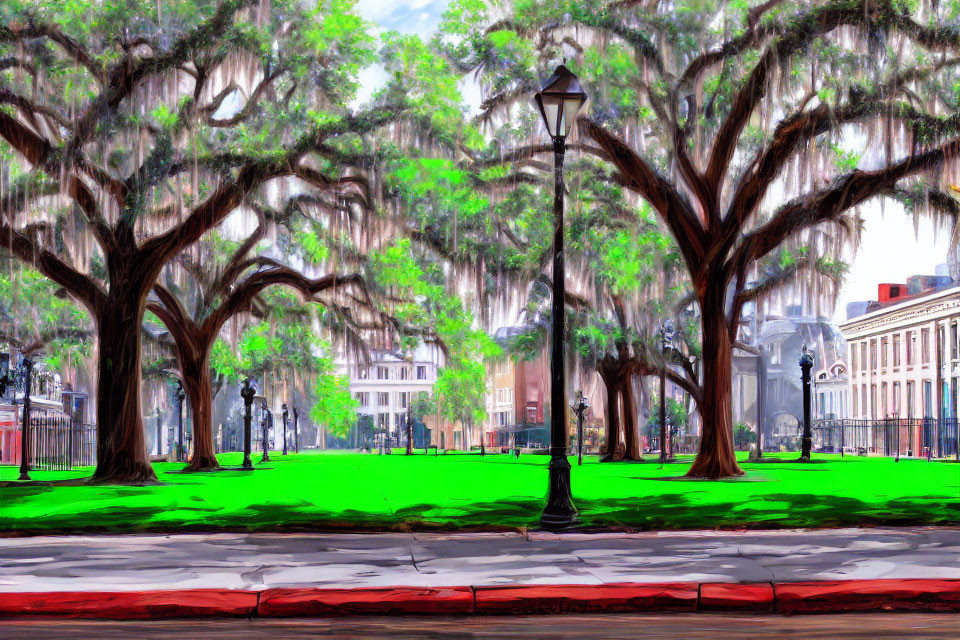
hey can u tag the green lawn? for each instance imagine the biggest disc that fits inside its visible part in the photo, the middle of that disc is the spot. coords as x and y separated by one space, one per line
348 490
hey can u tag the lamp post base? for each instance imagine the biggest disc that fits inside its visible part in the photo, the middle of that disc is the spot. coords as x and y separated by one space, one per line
24 475
247 464
559 512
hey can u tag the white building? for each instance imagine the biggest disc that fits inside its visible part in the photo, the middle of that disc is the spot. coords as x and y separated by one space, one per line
385 387
831 392
905 357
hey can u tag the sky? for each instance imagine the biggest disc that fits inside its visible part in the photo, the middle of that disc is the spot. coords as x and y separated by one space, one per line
890 249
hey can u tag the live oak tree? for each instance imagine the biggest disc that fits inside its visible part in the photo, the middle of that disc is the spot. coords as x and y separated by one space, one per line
139 127
745 128
220 292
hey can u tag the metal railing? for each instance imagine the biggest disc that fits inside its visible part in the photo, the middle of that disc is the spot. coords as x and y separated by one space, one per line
57 443
890 437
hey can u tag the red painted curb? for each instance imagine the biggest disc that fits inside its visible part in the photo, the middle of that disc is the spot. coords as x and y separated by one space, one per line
388 600
868 595
132 605
577 598
727 596
788 598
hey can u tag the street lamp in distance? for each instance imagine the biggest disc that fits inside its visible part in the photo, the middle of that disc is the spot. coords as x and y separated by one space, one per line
180 395
285 415
247 393
666 343
580 406
806 364
265 422
559 102
27 365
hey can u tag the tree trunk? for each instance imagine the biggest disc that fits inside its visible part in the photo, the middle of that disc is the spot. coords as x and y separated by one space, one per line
613 421
716 458
630 432
198 384
121 447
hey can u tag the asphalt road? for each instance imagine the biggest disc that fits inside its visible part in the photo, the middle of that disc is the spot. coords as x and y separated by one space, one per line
694 626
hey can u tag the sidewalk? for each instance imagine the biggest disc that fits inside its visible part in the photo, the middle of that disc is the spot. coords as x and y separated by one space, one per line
794 571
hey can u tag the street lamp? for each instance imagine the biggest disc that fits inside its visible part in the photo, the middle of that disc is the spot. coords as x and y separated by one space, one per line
159 435
666 343
247 393
27 365
296 430
558 101
580 406
264 422
285 414
179 394
806 363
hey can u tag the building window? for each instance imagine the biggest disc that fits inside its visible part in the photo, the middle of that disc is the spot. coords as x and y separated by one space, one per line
363 398
954 387
910 400
404 373
863 401
404 399
896 349
382 373
927 399
939 356
896 399
873 354
383 399
855 403
421 372
863 355
911 341
884 407
363 373
953 341
873 402
884 347
925 345
853 358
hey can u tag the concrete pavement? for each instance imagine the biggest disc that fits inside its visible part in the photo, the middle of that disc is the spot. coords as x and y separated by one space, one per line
241 574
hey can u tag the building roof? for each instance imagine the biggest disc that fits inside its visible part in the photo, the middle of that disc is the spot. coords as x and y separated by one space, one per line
900 304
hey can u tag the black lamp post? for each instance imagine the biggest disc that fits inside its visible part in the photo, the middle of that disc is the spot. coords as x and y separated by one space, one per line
806 363
159 435
27 365
666 340
247 393
296 430
179 394
558 101
580 407
285 414
264 422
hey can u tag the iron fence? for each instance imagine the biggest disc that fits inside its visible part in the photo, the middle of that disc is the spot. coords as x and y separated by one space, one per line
57 443
890 437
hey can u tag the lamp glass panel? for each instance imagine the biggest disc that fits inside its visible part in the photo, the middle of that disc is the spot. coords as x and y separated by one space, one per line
570 108
550 109
4 365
